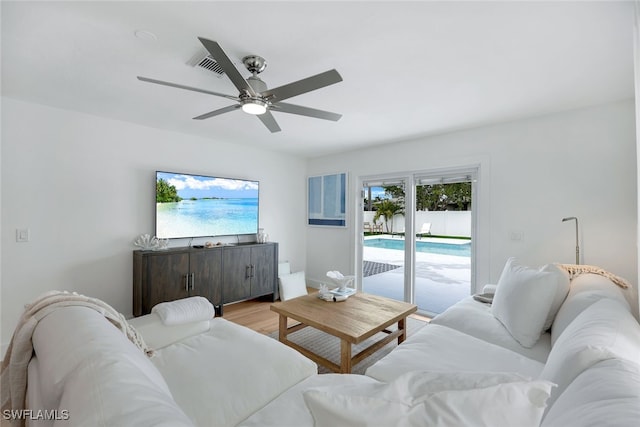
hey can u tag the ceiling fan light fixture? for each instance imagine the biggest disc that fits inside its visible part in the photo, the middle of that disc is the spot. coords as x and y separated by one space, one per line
254 106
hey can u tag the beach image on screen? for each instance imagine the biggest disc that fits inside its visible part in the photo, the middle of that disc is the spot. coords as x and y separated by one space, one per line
202 206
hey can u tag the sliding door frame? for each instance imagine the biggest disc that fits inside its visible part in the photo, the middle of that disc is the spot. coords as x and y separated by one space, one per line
411 179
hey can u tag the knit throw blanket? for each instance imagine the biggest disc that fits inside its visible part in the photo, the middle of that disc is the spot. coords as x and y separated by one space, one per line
14 366
575 270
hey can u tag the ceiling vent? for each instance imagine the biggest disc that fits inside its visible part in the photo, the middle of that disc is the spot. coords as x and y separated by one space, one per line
203 60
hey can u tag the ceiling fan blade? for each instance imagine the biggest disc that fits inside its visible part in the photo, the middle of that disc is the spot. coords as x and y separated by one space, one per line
302 86
225 63
217 112
160 82
305 111
269 121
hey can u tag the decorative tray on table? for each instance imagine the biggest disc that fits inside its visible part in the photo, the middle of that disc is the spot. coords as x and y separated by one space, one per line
343 293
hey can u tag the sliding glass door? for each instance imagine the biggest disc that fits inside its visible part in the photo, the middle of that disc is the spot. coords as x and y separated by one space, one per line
442 248
416 237
383 245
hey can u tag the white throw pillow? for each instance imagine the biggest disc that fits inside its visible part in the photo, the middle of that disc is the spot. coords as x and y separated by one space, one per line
604 330
284 268
433 399
523 299
185 310
292 285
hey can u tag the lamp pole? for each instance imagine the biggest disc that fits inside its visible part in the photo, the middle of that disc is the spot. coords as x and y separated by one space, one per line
577 246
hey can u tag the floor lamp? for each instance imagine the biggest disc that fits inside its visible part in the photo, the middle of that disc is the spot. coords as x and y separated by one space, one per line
577 246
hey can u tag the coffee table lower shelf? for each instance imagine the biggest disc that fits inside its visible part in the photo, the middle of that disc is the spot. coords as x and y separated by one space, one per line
346 360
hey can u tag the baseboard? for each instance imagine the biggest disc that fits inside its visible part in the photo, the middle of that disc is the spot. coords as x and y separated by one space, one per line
313 283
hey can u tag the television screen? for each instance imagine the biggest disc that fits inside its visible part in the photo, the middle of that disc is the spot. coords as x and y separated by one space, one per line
202 206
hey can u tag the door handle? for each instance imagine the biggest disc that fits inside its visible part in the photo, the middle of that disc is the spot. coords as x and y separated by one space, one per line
186 282
247 272
252 267
193 280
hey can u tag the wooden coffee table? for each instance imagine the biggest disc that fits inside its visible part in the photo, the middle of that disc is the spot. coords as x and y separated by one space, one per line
353 321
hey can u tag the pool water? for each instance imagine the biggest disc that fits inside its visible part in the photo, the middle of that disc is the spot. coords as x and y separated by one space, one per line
457 249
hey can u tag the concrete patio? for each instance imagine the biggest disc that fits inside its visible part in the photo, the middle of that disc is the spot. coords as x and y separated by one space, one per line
441 280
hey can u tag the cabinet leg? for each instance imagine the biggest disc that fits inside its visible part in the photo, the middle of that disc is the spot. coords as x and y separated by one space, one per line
218 310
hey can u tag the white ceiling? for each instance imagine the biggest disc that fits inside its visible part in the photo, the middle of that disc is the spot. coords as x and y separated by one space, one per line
410 69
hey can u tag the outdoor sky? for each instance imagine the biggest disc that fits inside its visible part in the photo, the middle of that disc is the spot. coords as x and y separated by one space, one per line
203 186
376 192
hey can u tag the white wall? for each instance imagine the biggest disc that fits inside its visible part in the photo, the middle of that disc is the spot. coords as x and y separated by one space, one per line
84 186
532 173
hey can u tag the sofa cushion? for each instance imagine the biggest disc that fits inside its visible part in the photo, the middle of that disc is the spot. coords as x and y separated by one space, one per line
586 289
439 348
158 335
475 318
224 375
605 330
608 393
524 298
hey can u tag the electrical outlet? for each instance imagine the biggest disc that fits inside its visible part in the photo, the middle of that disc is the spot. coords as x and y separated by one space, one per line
516 235
22 235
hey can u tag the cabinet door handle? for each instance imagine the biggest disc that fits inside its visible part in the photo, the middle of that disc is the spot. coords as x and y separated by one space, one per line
193 280
186 282
247 272
252 267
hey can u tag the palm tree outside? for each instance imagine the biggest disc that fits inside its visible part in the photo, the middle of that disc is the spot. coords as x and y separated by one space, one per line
388 209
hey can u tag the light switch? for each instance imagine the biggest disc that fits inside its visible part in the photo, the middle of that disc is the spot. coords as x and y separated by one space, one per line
22 235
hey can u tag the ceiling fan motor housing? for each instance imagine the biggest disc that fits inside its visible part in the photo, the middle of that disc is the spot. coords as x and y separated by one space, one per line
257 84
254 63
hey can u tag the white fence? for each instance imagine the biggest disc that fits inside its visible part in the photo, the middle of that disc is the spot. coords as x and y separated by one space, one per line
443 223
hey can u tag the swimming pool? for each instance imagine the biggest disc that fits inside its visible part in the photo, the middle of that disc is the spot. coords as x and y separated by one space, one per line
461 249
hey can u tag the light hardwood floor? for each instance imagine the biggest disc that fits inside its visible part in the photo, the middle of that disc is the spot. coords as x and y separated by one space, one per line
254 314
257 315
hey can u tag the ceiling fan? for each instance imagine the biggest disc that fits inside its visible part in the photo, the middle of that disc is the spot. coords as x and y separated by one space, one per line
254 97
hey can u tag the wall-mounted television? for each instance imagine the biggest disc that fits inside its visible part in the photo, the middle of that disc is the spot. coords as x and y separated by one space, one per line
204 206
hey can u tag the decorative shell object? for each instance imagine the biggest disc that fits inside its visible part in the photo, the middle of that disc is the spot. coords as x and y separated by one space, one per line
146 242
162 244
324 293
342 281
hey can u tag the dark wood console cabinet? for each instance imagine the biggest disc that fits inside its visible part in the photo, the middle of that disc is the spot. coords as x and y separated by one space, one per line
222 274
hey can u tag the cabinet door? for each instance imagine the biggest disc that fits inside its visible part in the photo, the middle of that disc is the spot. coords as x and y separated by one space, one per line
166 278
237 274
263 266
206 273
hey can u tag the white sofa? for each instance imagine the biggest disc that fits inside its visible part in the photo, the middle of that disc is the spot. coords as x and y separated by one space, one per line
464 367
591 351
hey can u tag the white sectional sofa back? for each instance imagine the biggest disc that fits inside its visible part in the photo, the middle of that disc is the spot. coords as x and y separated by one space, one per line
595 357
89 371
